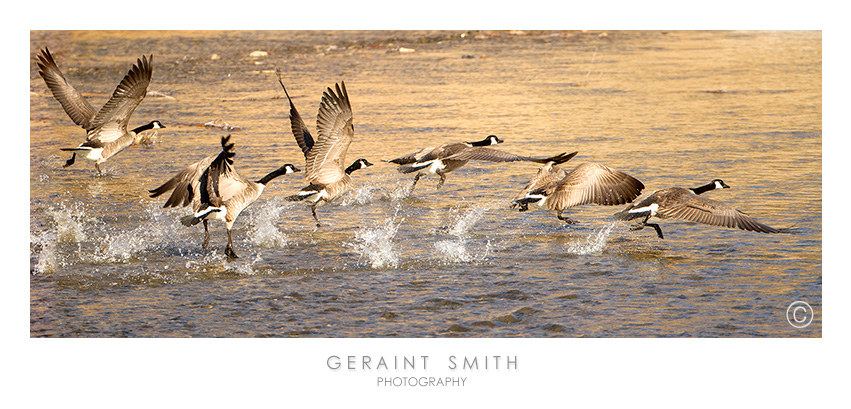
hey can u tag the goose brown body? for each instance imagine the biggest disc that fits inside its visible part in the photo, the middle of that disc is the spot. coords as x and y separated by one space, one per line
215 190
450 156
106 129
687 204
325 156
588 183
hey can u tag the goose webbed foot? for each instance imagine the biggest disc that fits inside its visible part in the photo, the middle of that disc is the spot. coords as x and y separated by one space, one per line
229 249
658 229
440 182
522 205
70 162
567 220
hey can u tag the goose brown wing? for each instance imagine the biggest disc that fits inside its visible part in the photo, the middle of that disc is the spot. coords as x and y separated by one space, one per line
494 155
218 181
325 161
110 123
707 211
444 151
300 131
74 104
412 157
593 183
186 184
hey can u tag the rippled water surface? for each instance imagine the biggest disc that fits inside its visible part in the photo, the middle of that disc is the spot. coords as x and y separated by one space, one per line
671 109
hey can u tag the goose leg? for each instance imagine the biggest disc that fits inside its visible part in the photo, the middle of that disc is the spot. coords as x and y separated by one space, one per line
413 185
313 210
206 236
229 249
644 224
70 162
567 220
640 225
657 228
442 179
97 166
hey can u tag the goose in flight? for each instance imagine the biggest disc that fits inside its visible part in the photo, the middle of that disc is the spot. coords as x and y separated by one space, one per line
687 204
556 189
106 130
216 191
450 156
324 157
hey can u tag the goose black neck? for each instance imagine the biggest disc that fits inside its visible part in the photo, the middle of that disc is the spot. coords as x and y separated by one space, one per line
275 173
145 127
353 167
485 142
705 188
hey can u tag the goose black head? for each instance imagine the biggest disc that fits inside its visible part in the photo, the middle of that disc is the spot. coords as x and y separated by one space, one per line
358 164
719 184
290 168
714 184
157 124
490 140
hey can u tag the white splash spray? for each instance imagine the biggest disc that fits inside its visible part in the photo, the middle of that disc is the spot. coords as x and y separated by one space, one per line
263 224
594 243
67 226
375 244
69 223
44 245
455 250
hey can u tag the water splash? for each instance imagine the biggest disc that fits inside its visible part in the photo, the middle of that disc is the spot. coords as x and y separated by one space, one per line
243 267
155 230
66 225
376 244
69 222
594 243
375 189
461 225
262 221
455 250
43 249
361 195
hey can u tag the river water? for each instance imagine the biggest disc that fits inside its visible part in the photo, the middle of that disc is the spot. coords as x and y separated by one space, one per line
670 108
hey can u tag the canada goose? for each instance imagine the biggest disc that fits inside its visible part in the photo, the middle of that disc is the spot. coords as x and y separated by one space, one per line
106 130
685 204
324 157
587 183
216 191
450 156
